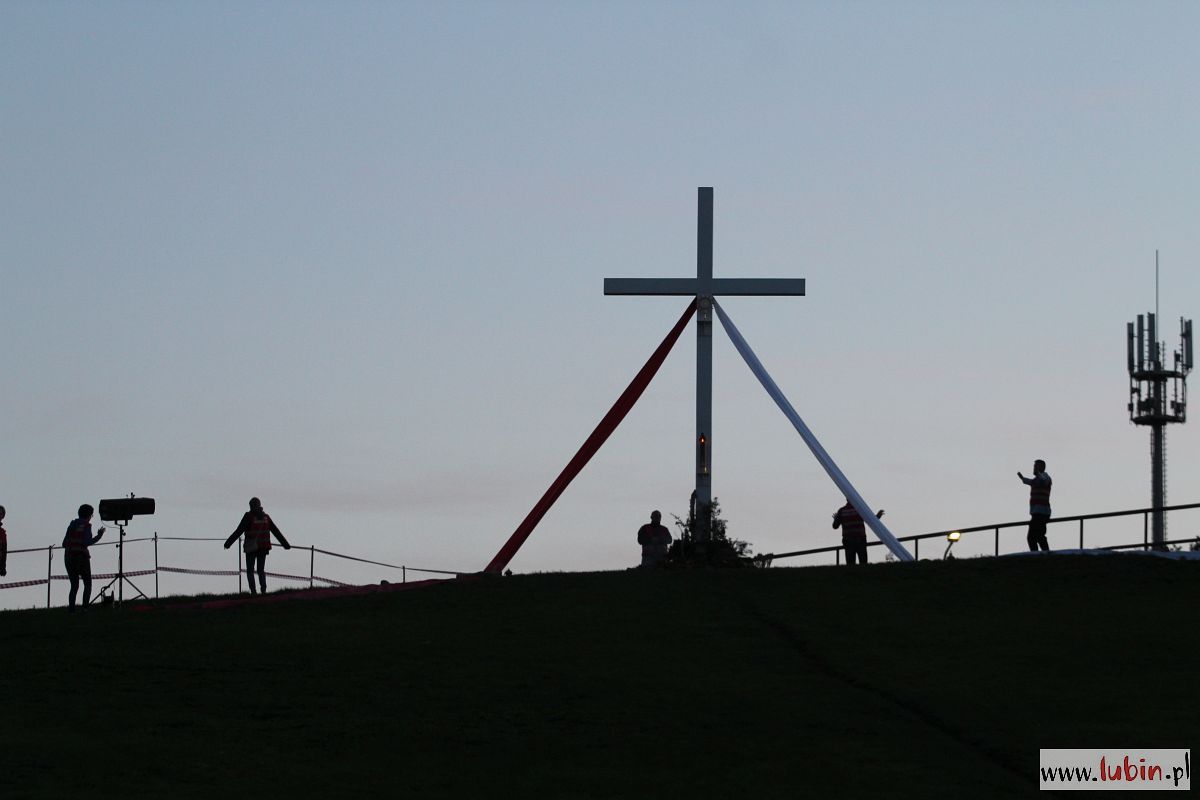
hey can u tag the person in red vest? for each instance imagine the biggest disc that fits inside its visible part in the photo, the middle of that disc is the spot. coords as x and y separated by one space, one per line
76 556
854 532
257 526
1039 505
655 540
3 544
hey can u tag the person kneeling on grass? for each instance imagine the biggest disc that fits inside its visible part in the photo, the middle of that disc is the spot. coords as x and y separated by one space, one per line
257 527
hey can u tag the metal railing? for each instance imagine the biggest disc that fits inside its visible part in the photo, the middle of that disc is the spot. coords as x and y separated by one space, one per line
312 578
996 528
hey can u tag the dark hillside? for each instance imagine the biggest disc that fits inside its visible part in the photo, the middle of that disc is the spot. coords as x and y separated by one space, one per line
928 680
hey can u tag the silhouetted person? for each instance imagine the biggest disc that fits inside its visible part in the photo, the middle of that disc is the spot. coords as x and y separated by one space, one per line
1039 505
3 544
257 527
76 556
655 540
854 532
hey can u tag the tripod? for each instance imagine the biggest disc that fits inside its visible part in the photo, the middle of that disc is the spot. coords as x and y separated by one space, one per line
120 580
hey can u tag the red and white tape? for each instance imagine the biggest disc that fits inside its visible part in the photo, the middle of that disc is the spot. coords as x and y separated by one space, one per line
105 575
199 571
332 582
19 584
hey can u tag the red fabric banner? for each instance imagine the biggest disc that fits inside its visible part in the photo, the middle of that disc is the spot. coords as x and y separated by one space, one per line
607 425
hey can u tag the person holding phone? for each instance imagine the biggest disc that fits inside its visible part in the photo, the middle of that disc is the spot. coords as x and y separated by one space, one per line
1039 505
3 545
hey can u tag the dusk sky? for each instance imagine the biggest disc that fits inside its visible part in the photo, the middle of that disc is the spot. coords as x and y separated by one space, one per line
349 258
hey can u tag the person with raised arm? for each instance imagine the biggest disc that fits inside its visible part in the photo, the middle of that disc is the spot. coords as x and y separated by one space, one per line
854 532
258 527
1039 505
3 544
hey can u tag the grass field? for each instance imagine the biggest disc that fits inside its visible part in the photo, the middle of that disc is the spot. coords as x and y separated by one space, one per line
928 680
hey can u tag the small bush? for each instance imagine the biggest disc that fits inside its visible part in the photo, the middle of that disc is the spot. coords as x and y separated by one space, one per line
719 551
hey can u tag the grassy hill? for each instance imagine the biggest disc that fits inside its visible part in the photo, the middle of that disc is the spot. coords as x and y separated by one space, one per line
927 680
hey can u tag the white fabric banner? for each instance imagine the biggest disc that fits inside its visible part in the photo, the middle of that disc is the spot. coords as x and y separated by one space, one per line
843 483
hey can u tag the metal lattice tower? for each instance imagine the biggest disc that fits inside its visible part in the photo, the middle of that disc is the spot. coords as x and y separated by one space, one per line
1157 398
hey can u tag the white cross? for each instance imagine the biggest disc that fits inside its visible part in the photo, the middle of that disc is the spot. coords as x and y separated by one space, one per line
704 286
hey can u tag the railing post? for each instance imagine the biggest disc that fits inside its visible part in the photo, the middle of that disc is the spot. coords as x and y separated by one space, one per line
837 557
49 572
1081 534
1145 530
403 574
156 565
239 567
997 540
916 549
312 561
120 567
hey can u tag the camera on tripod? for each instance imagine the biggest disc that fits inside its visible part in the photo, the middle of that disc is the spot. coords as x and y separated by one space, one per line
120 510
123 509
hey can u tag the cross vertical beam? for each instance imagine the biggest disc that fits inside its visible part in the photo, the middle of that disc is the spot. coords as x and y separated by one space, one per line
704 287
704 314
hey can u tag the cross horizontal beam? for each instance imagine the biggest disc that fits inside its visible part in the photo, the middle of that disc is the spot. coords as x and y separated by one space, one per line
705 287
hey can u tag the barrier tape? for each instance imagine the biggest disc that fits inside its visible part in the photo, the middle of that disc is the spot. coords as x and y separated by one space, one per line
103 576
222 572
200 571
383 564
438 571
237 572
19 584
191 538
286 577
91 546
99 576
363 560
221 539
330 582
59 547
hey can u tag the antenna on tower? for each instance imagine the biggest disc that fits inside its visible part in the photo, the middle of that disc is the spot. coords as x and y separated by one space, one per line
1156 281
1150 403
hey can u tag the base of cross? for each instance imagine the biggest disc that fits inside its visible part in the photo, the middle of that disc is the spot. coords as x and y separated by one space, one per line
718 550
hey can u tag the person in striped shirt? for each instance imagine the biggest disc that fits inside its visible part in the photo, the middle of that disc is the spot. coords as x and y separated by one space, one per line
854 532
1039 505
